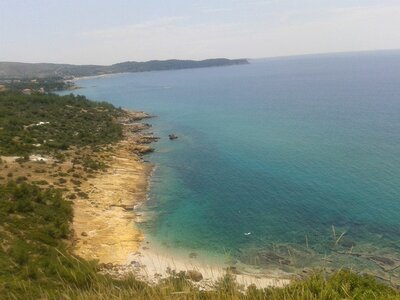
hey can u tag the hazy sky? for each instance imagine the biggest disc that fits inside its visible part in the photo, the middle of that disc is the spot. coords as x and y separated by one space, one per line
105 32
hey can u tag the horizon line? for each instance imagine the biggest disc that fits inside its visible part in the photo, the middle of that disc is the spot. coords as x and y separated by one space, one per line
245 58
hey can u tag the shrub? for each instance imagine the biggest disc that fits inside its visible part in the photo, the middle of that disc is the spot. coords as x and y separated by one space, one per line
62 180
21 179
76 182
83 195
40 182
71 196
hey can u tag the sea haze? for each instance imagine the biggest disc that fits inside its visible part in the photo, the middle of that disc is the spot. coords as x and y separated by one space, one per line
284 163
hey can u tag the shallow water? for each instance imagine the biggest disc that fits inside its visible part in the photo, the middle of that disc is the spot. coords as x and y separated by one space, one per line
302 152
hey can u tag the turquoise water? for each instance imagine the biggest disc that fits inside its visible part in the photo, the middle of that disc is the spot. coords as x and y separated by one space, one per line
296 151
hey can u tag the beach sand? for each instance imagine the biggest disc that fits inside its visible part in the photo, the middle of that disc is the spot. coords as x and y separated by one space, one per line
153 262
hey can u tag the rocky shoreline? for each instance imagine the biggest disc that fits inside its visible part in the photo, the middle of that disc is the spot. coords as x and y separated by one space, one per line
104 223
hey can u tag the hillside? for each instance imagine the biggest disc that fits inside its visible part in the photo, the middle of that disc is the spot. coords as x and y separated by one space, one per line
42 70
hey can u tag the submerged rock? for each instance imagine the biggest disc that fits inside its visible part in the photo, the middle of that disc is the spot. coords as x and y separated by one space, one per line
272 257
380 260
264 258
347 243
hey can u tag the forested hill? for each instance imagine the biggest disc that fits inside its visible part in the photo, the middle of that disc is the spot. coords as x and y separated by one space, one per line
37 70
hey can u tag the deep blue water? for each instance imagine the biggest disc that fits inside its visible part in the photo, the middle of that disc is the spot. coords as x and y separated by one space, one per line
288 149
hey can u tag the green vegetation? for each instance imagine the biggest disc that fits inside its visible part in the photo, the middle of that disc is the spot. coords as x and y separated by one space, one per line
37 85
33 224
45 70
47 123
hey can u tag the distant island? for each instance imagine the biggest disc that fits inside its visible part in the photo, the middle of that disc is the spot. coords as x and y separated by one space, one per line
17 70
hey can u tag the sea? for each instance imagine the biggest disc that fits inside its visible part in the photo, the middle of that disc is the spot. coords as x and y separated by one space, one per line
286 163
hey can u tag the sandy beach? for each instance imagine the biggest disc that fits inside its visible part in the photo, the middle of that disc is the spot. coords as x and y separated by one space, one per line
153 262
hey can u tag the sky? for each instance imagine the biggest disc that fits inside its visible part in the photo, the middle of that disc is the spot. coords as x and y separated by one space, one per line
106 32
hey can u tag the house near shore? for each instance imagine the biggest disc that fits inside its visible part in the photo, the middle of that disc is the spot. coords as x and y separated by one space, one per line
26 91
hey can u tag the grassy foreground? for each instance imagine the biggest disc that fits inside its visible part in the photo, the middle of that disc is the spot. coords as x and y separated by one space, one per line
36 260
36 263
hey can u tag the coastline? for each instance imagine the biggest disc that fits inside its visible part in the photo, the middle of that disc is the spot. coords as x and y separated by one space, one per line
105 75
154 262
77 78
103 224
106 227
